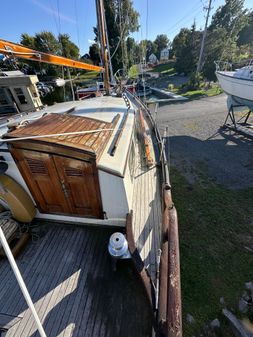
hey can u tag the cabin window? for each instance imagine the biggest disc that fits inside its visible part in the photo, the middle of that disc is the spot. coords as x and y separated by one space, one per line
20 95
3 98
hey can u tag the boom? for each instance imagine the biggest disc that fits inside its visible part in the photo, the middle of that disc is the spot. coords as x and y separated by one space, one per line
17 50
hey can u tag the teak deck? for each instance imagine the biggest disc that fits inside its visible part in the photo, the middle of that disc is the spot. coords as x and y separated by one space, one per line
68 274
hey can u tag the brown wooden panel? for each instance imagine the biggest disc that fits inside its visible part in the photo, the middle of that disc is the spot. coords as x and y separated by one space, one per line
39 172
80 181
62 123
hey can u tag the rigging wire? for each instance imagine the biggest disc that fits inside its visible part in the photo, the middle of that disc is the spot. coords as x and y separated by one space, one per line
59 19
77 24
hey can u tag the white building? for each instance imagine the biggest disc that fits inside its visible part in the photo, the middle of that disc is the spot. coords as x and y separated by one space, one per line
164 55
152 59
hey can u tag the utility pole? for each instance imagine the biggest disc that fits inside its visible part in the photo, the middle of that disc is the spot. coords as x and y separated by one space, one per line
199 66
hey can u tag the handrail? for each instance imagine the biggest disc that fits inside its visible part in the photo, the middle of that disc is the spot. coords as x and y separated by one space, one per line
169 314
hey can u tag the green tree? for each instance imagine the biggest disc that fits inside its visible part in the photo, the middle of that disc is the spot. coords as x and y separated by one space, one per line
186 49
246 34
68 48
94 53
232 17
28 41
121 19
216 49
46 42
161 42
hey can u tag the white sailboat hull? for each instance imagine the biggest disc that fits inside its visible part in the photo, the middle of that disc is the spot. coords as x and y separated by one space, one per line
234 86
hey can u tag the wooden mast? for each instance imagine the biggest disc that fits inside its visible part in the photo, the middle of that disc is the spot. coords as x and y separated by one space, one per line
103 43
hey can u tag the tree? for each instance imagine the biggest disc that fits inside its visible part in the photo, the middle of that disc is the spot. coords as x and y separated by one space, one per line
121 19
94 53
246 34
161 42
215 49
186 49
232 17
28 41
46 42
68 48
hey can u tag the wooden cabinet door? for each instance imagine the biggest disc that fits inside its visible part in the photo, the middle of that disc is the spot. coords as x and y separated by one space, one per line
80 181
39 172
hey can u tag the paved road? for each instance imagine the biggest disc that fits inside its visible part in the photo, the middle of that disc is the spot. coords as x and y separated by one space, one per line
200 148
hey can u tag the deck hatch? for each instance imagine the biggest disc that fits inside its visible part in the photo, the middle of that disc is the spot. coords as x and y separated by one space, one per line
51 124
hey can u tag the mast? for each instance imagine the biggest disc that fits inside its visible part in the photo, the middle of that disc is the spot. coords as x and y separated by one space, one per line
103 42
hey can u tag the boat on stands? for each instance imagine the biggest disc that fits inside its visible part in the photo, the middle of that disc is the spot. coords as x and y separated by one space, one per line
89 181
237 84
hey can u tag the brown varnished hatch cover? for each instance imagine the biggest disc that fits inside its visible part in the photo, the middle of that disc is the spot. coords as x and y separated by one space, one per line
61 171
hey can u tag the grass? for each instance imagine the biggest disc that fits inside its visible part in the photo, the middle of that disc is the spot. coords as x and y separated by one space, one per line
87 78
213 90
165 68
215 227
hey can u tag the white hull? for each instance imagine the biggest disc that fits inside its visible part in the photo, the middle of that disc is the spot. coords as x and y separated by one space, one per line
234 86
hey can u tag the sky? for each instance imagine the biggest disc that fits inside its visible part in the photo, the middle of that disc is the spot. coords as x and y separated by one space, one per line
77 17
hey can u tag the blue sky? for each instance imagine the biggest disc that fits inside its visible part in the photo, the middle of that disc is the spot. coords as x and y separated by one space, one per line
77 17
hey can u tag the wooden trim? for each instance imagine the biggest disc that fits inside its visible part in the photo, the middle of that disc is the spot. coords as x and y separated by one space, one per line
138 263
57 149
118 136
169 310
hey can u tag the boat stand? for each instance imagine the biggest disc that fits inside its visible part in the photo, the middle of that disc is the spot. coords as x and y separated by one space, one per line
241 125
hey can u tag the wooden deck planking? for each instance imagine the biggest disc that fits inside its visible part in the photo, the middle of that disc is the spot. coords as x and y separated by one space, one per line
74 289
40 279
13 292
62 314
147 212
51 300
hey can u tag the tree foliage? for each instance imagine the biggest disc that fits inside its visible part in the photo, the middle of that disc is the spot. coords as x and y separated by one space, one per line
160 42
232 17
246 34
185 48
46 42
121 19
229 37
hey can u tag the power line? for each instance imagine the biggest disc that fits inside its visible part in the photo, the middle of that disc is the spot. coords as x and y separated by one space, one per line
186 21
185 16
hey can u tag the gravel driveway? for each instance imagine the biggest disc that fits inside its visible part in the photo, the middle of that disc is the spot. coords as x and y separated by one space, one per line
200 149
